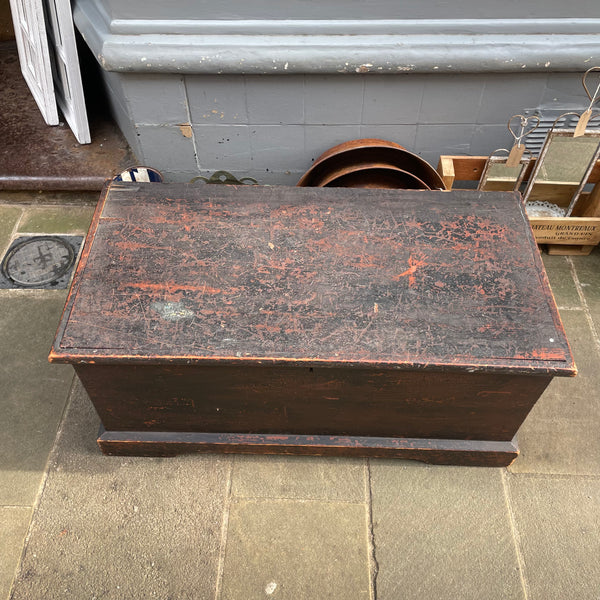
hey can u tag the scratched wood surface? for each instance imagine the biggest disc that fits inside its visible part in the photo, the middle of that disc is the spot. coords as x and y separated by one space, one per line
321 400
441 452
399 279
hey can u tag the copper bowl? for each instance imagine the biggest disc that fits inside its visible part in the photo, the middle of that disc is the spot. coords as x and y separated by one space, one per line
354 144
373 175
357 152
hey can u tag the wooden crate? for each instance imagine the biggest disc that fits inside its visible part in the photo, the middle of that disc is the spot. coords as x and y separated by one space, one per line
578 234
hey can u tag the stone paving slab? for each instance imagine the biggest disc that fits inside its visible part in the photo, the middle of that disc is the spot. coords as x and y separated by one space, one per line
14 521
561 434
573 397
558 524
123 528
296 550
588 273
567 447
299 477
26 198
57 219
558 270
9 216
442 532
33 391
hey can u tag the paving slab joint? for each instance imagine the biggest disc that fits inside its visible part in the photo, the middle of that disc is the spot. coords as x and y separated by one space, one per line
224 529
374 564
504 475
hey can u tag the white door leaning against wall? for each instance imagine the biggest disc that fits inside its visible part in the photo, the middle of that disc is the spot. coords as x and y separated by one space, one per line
49 61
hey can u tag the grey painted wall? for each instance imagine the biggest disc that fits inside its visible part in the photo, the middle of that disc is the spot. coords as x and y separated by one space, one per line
350 9
134 36
272 128
262 88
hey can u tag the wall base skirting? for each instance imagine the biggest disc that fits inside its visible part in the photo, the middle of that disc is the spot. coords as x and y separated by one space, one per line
328 46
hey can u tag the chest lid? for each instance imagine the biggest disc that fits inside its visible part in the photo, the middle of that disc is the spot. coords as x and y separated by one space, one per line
312 276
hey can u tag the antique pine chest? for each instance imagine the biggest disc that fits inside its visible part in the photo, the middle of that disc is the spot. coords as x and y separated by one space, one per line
312 321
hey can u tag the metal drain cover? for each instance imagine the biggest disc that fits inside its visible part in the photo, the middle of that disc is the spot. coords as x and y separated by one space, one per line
40 262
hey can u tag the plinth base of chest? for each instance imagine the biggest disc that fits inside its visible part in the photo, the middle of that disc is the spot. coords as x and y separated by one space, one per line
434 416
441 452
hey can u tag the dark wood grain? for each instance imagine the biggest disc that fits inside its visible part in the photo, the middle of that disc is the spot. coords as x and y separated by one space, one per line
306 400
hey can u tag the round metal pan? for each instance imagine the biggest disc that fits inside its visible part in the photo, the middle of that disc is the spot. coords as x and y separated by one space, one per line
360 143
370 150
378 178
373 175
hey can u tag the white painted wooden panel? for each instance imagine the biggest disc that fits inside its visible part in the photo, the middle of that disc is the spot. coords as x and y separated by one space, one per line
34 55
65 66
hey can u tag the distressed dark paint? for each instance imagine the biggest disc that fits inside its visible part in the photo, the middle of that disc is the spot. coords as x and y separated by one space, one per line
424 314
438 451
326 275
306 400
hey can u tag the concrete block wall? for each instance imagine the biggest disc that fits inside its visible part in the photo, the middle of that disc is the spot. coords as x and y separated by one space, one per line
271 127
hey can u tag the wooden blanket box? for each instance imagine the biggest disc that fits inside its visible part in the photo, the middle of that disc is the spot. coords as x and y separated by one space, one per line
349 322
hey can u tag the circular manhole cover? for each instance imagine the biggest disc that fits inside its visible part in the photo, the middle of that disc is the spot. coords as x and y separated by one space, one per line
38 261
